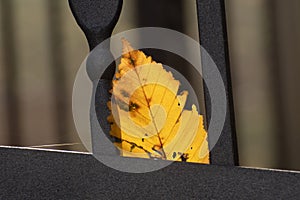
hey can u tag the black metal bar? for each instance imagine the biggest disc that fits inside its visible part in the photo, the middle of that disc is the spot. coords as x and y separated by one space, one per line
96 18
213 37
11 72
58 175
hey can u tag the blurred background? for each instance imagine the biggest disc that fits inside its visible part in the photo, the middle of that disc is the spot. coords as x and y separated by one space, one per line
41 49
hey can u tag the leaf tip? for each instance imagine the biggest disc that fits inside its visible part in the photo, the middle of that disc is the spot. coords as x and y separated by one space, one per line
126 46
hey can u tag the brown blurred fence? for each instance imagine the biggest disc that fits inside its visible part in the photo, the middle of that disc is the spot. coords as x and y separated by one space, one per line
41 49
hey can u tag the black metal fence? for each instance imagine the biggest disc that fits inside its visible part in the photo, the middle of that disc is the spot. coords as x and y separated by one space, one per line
42 48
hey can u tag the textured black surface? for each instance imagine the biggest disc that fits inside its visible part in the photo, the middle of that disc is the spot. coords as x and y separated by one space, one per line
97 18
213 37
28 174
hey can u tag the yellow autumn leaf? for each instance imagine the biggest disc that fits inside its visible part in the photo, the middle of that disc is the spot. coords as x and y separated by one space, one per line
148 119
